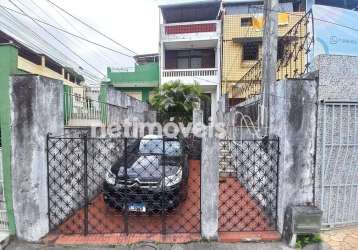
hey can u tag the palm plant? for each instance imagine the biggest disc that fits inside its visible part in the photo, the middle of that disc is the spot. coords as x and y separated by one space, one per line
177 100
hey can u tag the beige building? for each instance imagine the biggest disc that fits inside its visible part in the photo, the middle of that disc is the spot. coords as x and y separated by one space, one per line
242 23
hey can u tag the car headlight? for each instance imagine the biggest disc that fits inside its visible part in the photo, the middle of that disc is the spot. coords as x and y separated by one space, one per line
110 178
174 179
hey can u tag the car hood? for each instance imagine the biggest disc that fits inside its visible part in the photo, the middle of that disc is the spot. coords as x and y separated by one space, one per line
149 168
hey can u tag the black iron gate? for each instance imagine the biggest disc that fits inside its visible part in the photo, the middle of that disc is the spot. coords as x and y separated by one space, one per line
122 185
248 185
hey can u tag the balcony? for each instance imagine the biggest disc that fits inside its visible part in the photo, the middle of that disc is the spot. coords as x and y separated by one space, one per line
204 76
203 30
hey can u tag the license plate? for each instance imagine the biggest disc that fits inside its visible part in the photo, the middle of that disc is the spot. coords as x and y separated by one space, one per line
136 207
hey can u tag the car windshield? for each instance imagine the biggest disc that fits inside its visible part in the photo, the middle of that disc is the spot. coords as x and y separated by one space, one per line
155 146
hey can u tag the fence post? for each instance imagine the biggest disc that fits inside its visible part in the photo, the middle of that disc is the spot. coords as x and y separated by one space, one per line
48 180
126 226
163 215
85 184
210 188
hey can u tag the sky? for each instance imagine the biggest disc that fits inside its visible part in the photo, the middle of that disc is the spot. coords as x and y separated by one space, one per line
134 23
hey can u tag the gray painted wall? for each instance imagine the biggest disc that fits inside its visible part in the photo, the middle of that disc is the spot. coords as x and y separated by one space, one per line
36 109
293 120
130 107
121 99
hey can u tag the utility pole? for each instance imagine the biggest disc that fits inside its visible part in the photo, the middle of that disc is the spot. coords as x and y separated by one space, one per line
269 59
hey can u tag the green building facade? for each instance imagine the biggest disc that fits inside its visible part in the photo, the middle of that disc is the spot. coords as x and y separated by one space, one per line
139 83
8 67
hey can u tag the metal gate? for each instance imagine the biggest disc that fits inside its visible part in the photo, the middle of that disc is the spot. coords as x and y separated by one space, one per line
122 185
248 185
338 139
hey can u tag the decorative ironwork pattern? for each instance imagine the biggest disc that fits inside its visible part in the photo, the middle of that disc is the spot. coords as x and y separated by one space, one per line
248 185
296 46
122 185
294 49
250 84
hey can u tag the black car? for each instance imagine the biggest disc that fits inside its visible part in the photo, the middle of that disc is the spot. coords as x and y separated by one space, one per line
154 180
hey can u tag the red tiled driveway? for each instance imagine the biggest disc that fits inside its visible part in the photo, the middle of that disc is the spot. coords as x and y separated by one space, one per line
240 217
237 213
181 225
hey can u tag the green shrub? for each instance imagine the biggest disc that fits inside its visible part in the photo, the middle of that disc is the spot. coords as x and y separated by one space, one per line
307 239
177 99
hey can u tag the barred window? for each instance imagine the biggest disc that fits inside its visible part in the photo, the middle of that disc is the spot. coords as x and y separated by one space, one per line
250 51
246 22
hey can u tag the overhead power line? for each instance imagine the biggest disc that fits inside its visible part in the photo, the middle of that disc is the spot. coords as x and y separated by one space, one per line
20 29
26 30
67 32
58 40
91 27
34 14
98 53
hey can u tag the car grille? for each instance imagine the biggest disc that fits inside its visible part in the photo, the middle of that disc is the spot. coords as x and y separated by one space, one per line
130 183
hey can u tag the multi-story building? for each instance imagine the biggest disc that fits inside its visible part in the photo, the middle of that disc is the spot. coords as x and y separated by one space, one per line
30 62
190 46
242 23
140 81
17 58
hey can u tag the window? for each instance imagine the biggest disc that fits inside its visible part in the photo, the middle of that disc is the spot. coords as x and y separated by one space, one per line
246 21
189 59
280 49
250 51
196 62
183 62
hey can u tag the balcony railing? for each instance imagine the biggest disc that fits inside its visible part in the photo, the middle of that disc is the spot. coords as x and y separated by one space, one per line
85 110
180 29
190 72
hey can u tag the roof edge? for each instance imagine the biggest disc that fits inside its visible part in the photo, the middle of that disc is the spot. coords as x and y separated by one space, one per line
189 3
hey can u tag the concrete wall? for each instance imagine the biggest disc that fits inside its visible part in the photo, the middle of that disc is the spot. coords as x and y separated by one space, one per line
293 120
118 98
125 107
209 188
36 105
338 77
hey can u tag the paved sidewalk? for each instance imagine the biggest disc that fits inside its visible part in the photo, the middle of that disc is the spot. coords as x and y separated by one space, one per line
342 239
149 246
